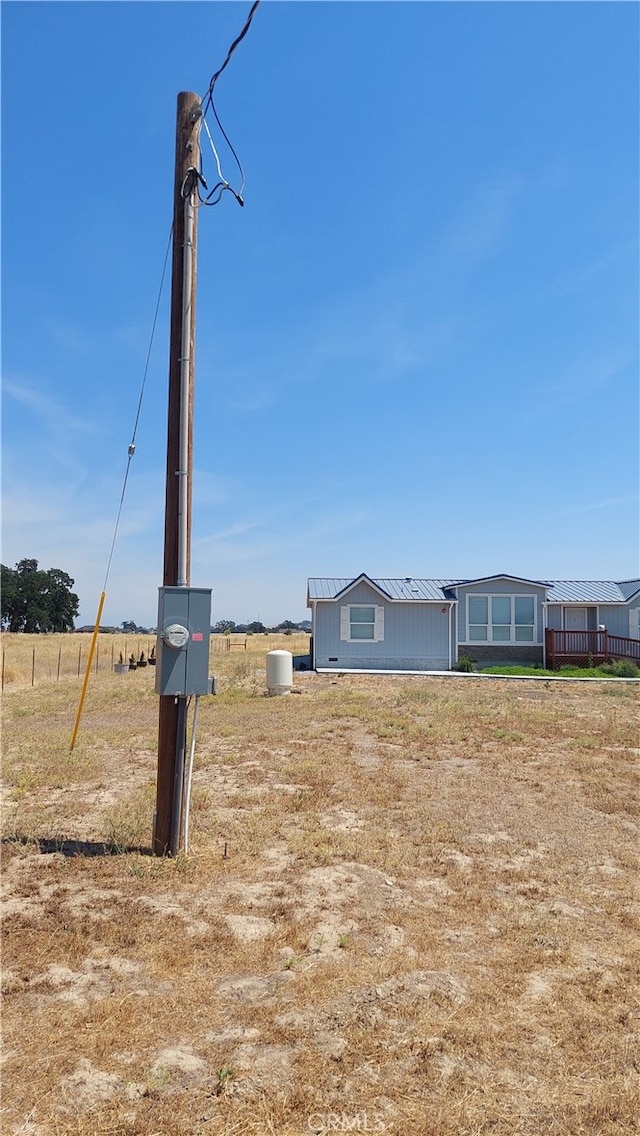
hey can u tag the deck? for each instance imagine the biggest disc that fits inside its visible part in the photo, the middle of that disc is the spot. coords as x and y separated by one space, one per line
588 648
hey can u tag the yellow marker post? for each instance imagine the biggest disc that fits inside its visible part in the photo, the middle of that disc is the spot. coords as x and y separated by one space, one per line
92 648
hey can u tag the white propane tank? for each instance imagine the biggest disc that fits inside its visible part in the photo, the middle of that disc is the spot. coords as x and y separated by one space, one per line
279 672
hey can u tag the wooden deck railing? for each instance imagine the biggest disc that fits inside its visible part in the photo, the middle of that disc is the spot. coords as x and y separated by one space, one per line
576 648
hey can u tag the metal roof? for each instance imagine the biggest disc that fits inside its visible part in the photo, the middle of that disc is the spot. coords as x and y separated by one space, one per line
503 576
319 589
588 591
402 589
629 588
409 588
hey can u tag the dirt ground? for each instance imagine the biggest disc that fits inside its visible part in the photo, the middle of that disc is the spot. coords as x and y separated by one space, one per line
409 906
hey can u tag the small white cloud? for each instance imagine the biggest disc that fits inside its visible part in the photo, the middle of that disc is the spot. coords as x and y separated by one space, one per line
51 412
593 506
483 225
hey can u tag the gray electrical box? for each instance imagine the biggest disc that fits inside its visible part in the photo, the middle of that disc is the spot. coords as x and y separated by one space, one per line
184 629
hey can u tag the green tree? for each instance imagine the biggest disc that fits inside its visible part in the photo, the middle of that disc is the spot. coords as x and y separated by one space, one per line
10 596
224 627
34 600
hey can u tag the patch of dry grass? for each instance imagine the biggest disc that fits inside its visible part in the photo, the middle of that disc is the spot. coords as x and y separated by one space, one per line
410 907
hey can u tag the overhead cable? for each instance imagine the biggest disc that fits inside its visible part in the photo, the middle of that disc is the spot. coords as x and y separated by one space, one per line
223 185
218 73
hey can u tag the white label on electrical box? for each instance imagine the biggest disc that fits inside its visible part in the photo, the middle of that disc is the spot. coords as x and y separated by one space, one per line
176 635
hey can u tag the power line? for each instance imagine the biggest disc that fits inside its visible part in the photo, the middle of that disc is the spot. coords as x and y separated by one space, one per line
218 73
209 104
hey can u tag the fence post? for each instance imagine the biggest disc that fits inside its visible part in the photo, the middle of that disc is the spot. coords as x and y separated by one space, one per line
59 661
33 668
3 668
79 658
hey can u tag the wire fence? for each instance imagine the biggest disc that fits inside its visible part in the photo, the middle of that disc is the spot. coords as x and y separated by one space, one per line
31 660
29 663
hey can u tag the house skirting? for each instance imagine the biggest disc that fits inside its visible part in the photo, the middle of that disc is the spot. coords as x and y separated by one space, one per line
497 655
347 663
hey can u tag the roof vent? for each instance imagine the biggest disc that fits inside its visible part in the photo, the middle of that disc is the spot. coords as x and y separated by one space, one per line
407 579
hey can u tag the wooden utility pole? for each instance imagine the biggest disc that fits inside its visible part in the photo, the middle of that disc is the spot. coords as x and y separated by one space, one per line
177 560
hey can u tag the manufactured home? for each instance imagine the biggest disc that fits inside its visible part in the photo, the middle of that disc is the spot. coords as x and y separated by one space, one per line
412 624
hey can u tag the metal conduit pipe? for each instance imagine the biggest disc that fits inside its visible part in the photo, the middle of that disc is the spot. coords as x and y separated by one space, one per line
178 776
189 774
185 382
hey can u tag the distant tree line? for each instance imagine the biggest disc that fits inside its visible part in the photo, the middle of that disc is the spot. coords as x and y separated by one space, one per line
222 627
287 627
131 628
34 600
37 601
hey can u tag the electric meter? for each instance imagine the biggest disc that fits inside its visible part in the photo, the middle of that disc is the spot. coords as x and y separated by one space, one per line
176 636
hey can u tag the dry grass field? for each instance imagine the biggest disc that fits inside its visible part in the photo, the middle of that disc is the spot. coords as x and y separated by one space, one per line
409 907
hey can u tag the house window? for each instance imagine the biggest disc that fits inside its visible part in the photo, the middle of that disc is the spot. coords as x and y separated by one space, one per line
360 622
501 619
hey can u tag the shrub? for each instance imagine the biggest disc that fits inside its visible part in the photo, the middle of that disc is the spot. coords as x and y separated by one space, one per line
620 668
465 663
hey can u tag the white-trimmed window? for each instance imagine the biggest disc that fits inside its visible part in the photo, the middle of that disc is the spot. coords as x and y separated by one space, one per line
362 622
501 619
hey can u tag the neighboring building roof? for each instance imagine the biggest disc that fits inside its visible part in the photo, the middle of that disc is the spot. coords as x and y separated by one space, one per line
558 591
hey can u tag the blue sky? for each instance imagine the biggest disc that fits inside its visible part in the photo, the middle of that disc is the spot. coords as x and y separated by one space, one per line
417 344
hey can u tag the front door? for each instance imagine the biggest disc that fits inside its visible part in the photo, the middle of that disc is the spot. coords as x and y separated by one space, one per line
580 619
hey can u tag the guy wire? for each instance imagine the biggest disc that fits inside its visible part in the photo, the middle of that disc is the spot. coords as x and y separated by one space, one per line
132 445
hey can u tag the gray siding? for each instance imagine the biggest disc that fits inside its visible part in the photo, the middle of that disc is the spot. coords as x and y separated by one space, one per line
416 635
615 618
554 617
